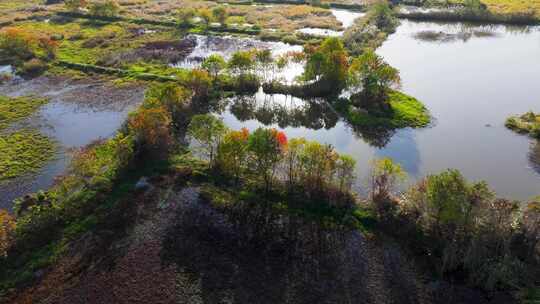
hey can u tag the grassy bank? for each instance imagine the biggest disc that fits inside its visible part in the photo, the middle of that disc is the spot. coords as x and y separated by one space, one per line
406 111
528 123
475 17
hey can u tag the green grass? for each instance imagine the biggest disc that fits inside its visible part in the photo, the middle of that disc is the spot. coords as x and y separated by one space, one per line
16 109
23 152
407 111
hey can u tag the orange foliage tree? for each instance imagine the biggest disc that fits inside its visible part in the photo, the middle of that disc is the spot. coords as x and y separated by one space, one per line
151 127
7 226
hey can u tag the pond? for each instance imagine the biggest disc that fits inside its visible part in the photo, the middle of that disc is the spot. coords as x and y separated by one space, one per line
346 17
78 113
470 85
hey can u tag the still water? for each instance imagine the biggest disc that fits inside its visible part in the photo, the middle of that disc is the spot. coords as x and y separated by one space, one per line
471 83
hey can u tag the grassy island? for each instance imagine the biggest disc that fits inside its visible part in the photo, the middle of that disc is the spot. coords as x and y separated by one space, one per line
405 111
528 123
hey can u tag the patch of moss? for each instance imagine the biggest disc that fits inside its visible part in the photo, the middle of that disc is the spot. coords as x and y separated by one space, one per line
22 152
16 109
406 111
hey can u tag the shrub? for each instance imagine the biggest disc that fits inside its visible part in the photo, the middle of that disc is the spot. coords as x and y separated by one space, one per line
33 67
107 8
375 78
75 5
18 46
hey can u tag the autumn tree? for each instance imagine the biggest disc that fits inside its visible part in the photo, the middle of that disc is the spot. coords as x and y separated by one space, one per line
233 151
200 82
151 127
18 46
208 131
7 227
174 98
266 147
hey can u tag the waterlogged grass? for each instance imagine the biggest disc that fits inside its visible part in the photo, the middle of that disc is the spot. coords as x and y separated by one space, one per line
16 109
528 123
23 152
406 111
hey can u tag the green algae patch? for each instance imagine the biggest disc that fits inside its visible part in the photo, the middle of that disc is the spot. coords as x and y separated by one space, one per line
406 111
24 151
16 109
528 123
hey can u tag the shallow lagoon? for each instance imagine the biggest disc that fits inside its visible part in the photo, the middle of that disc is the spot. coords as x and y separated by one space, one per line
470 85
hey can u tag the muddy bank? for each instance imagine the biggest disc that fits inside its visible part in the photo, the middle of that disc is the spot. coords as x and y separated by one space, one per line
78 112
163 51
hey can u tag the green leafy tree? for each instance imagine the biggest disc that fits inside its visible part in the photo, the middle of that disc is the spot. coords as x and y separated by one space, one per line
318 165
264 62
374 77
293 159
220 14
214 64
207 130
345 172
241 62
328 64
